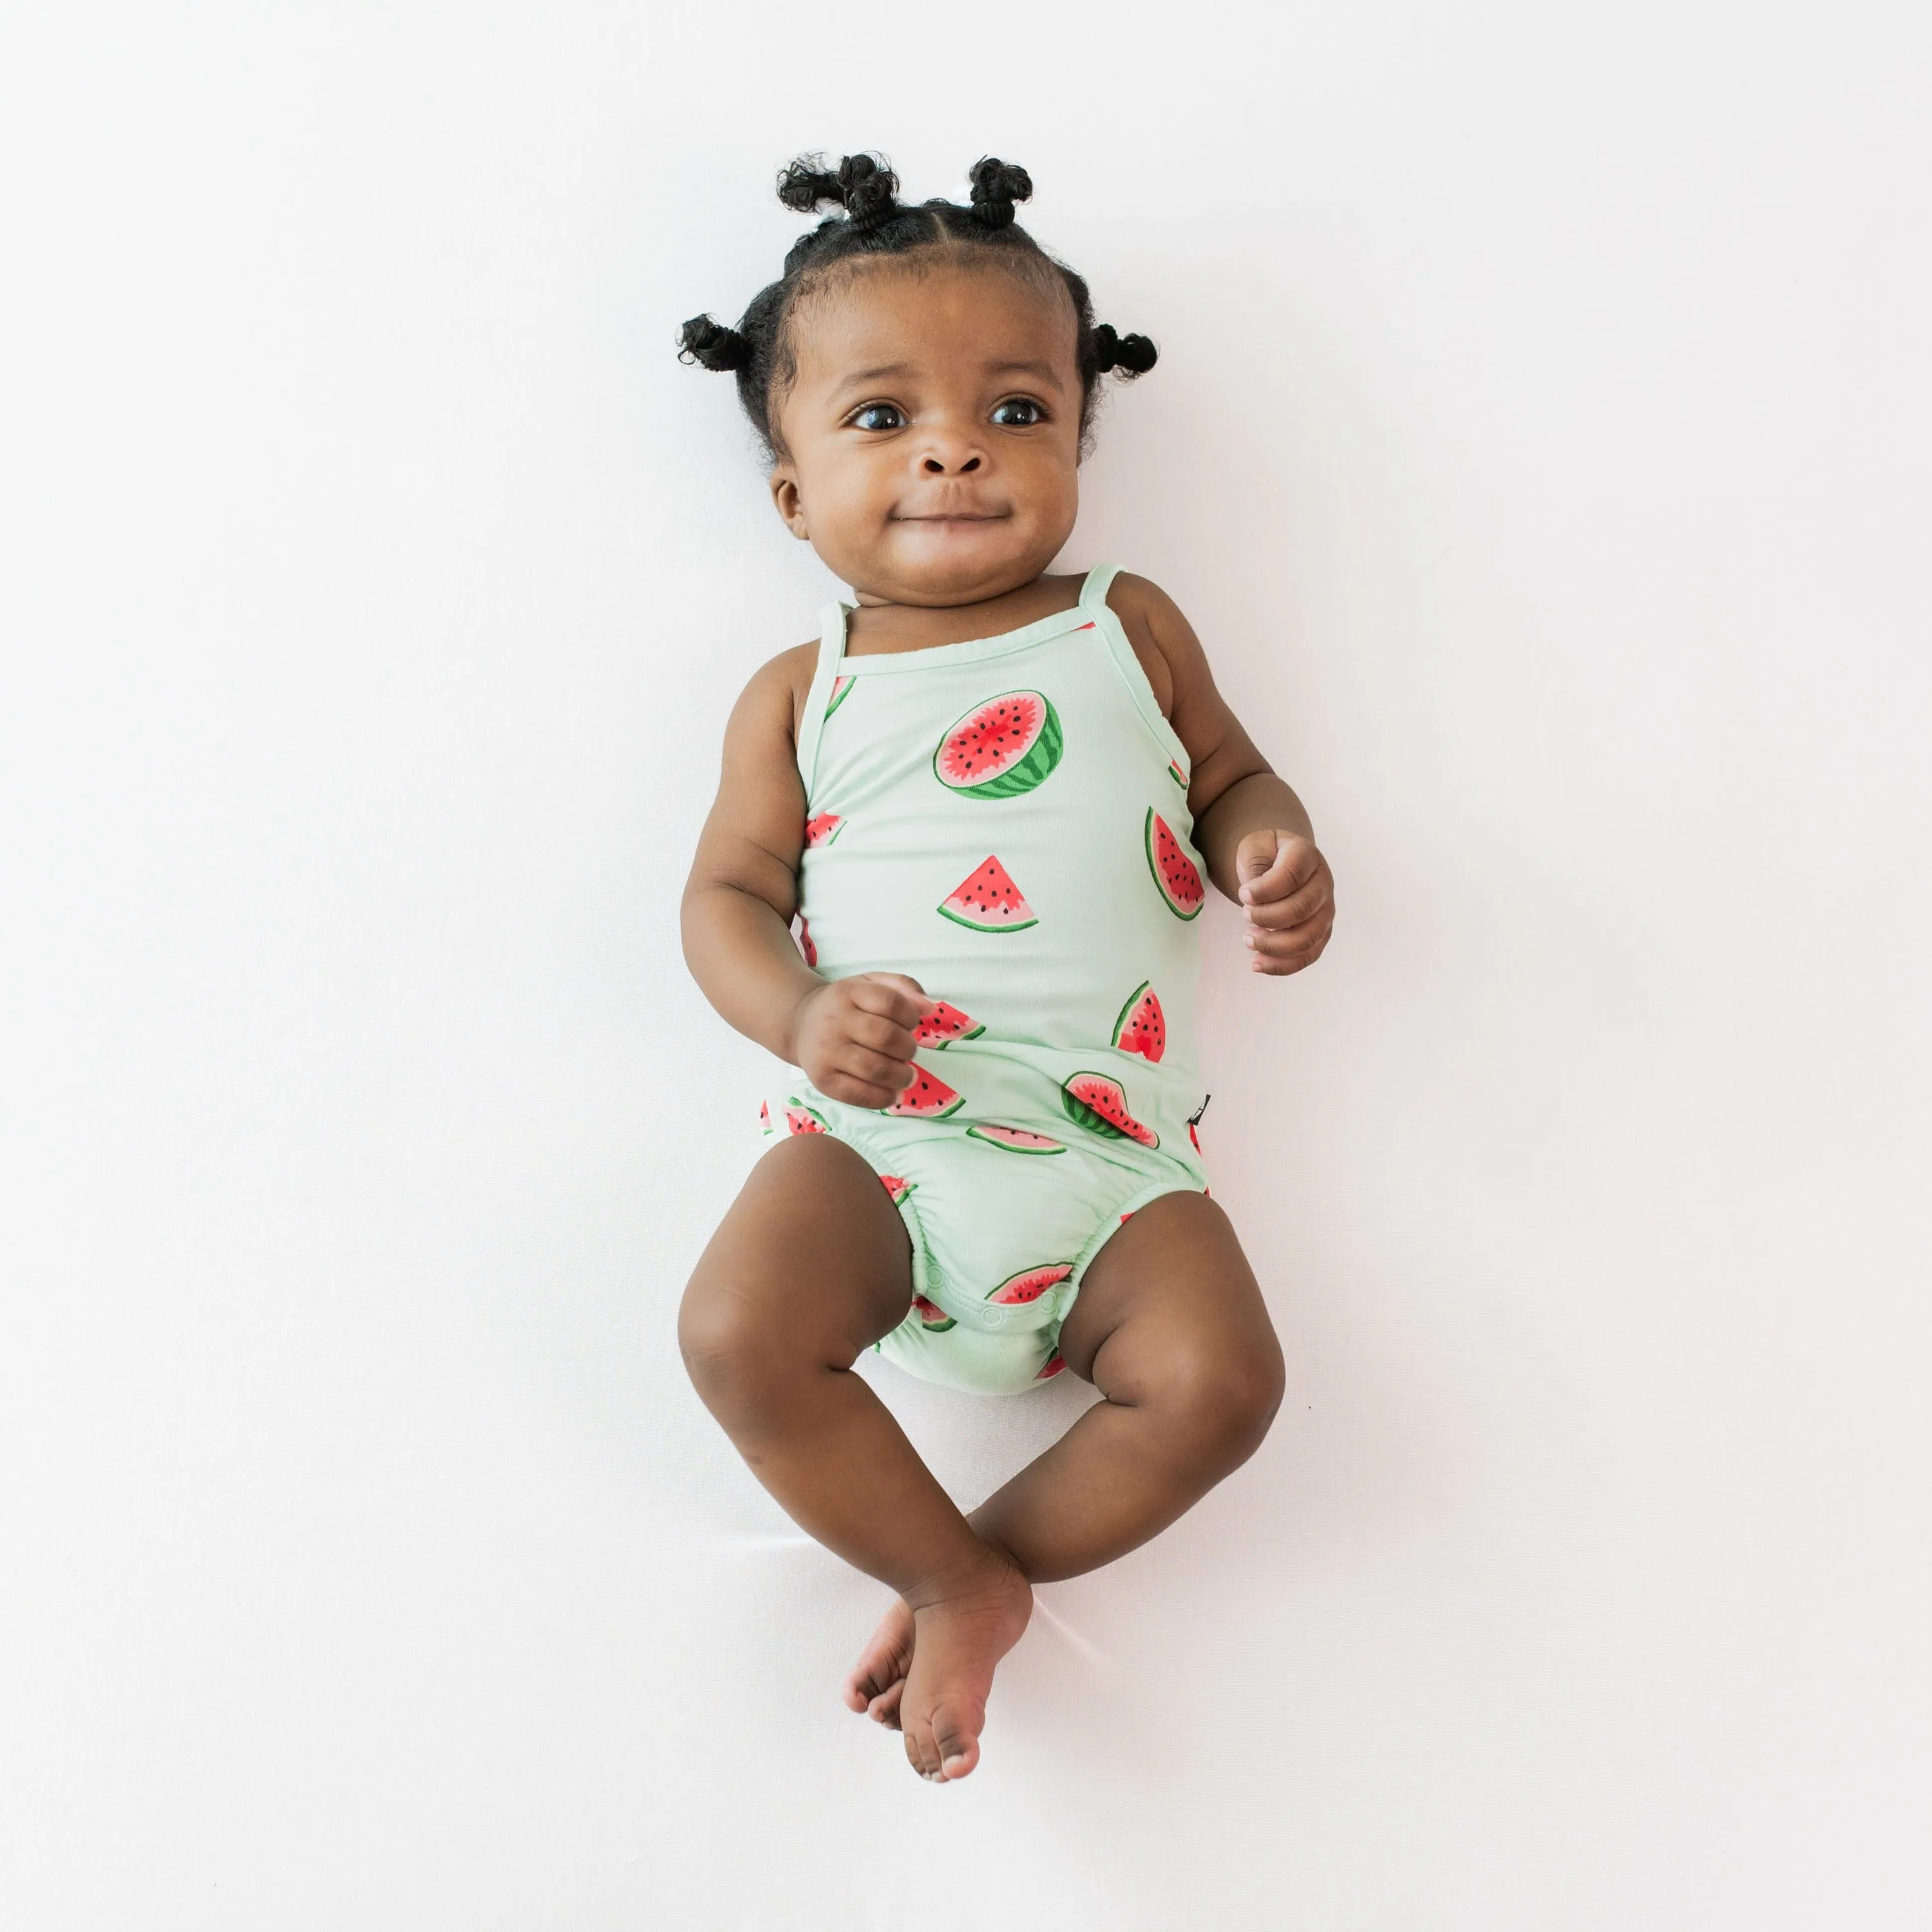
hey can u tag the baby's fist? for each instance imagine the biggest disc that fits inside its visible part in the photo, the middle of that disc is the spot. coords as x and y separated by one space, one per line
1288 894
855 1036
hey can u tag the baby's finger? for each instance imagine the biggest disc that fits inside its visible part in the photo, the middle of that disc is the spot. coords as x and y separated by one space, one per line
1296 861
857 1093
881 1035
875 1070
893 996
1299 906
1300 947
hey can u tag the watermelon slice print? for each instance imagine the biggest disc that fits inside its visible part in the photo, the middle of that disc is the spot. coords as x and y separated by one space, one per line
1174 772
822 829
802 932
944 1025
1029 1284
1099 1104
1014 1140
1177 875
1054 1366
898 1187
933 1318
1141 1028
1001 749
765 1115
988 901
927 1099
800 1119
840 686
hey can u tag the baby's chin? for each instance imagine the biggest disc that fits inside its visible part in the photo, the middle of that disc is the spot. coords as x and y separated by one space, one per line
955 563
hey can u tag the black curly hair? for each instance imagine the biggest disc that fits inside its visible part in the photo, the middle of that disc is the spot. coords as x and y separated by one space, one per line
759 352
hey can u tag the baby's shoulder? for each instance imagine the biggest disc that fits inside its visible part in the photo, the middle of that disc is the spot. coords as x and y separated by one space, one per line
774 696
1160 635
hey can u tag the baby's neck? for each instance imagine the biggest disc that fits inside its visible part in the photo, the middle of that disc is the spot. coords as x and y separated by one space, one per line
877 627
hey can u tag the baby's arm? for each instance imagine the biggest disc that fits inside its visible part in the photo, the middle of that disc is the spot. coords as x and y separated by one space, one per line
854 1036
1253 832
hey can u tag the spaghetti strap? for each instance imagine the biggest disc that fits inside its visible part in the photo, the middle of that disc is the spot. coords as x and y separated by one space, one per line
1093 590
1106 621
818 699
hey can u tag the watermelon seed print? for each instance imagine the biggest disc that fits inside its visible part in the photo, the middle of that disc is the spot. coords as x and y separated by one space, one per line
1029 1285
1177 875
1014 1140
840 686
987 901
1141 1028
933 1318
1001 749
822 828
1100 1105
929 1098
944 1025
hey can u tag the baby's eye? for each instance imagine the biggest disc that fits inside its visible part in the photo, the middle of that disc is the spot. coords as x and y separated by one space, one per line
1033 413
864 418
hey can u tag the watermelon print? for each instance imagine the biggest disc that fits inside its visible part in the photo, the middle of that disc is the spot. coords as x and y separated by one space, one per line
1029 1284
1099 1104
1001 749
1141 1028
822 829
800 1119
1174 772
926 1098
840 686
932 1317
1014 1140
898 1187
1174 871
765 1115
802 932
944 1025
1054 1366
988 901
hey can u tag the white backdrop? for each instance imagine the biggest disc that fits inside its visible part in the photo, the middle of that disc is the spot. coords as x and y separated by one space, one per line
1539 445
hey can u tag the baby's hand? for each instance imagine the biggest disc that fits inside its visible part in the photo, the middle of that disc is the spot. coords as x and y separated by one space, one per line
1289 893
855 1036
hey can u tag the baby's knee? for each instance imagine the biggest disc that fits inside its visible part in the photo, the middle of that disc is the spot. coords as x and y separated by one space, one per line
1226 1398
731 1348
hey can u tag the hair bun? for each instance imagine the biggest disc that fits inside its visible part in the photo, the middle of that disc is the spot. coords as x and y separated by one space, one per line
997 185
863 184
708 342
1131 355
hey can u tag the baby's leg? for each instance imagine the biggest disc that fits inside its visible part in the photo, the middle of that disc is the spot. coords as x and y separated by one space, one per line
1171 1327
810 1265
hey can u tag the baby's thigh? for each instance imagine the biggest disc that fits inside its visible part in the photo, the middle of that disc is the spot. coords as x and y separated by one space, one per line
811 1262
1169 1312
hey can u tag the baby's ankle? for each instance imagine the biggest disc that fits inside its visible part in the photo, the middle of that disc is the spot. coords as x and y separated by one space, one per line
993 1572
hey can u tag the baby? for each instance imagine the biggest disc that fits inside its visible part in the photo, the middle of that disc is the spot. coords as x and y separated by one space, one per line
951 877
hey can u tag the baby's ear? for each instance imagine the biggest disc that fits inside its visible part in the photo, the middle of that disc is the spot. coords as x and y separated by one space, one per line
786 500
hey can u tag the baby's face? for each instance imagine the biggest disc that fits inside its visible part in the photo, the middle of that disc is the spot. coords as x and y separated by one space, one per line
933 433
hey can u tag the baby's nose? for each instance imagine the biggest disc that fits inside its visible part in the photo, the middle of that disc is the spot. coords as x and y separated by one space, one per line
936 466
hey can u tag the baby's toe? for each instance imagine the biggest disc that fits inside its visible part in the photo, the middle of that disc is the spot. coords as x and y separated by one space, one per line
885 1707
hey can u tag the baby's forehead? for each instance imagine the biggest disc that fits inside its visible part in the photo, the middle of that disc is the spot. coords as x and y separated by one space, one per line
908 307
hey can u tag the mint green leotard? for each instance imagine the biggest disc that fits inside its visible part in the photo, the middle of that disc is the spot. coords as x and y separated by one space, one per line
1006 819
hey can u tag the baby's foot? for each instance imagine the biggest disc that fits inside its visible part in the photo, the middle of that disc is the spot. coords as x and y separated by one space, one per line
958 1636
878 1678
